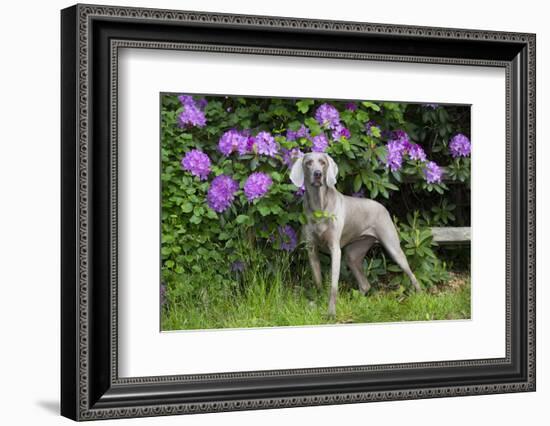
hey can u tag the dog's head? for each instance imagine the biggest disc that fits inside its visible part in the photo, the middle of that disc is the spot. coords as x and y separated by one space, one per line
314 169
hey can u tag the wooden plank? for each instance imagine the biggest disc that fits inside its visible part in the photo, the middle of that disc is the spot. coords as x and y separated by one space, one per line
452 235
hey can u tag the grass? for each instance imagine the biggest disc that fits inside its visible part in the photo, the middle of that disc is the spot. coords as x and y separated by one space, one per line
275 298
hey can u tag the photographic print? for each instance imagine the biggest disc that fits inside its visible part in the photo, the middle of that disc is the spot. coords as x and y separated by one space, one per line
301 212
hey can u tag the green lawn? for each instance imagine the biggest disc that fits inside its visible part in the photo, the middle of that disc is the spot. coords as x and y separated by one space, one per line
273 304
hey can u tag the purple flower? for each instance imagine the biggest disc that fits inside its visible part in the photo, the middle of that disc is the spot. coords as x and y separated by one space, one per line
351 106
402 137
289 155
327 116
300 191
202 103
233 140
186 100
320 143
359 194
288 240
266 145
369 125
197 163
302 132
221 193
250 143
460 146
191 114
340 132
257 185
394 159
433 172
432 106
416 152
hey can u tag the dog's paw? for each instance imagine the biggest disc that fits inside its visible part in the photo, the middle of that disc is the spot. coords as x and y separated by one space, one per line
365 291
368 293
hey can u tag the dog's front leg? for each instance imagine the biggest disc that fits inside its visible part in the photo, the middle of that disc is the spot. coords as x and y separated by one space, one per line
335 256
313 255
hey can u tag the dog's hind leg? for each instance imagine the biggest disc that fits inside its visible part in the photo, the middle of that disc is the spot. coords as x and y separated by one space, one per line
389 238
355 254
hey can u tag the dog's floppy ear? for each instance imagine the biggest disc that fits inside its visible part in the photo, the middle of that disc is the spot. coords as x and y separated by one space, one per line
332 172
297 172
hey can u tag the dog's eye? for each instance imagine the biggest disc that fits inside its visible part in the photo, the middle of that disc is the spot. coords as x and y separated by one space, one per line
322 163
309 163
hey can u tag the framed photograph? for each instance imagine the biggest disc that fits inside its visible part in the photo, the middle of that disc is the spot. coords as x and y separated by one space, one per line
263 212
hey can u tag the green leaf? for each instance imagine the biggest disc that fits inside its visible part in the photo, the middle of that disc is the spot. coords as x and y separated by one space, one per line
276 176
254 163
242 218
303 105
375 131
195 220
264 210
357 183
371 105
186 207
362 116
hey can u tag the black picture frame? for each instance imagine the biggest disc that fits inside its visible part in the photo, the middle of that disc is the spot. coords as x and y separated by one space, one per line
90 386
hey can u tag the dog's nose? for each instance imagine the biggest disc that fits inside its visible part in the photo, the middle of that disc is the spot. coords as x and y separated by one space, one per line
317 174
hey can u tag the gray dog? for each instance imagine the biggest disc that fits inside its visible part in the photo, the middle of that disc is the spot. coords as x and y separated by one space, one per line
336 221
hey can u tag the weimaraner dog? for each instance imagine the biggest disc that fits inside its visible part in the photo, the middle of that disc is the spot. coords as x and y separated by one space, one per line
336 222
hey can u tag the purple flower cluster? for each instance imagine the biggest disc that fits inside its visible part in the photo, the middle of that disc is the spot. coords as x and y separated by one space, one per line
394 159
340 132
257 185
197 163
399 146
320 143
288 240
243 143
433 172
416 152
193 112
327 116
289 155
231 141
221 193
460 146
266 145
302 132
402 137
300 191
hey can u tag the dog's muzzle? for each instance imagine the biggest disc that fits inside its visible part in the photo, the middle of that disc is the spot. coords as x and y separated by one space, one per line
317 178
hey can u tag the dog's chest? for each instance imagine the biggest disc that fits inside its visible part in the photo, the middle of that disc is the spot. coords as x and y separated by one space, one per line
322 232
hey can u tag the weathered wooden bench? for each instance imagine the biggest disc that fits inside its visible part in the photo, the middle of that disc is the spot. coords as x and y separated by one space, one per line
452 235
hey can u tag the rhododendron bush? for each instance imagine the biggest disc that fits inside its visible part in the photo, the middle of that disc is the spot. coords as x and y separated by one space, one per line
225 178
